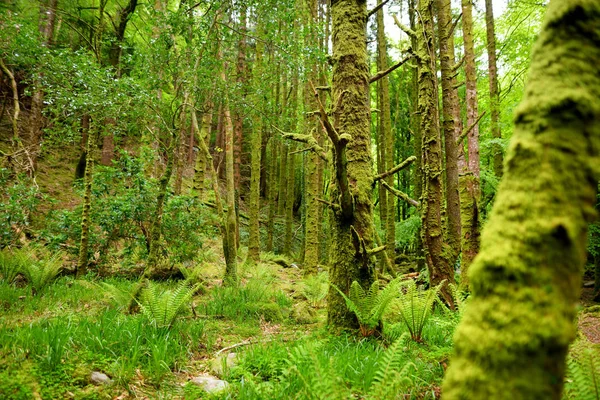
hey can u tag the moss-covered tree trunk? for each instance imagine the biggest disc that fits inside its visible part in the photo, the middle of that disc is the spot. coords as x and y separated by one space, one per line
469 181
152 269
256 156
311 168
436 250
498 157
525 283
386 139
273 167
84 243
451 126
352 230
229 239
201 133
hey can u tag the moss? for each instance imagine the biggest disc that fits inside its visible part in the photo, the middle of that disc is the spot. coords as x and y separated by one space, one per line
352 116
513 339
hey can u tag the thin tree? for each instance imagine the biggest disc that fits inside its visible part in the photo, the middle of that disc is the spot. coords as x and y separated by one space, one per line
514 337
494 89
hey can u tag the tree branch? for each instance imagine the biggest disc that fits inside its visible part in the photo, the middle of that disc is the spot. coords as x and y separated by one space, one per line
377 8
469 129
396 169
401 195
453 27
406 29
381 74
458 64
330 204
306 139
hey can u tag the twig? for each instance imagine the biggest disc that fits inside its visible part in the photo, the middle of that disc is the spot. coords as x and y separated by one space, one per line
376 8
401 195
381 74
469 129
396 169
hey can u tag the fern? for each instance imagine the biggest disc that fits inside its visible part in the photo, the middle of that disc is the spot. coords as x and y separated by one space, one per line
161 307
314 288
414 306
459 299
369 306
391 377
583 376
40 273
319 381
11 263
121 298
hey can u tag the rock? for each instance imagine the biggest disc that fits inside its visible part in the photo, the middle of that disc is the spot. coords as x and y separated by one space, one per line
98 378
210 384
223 362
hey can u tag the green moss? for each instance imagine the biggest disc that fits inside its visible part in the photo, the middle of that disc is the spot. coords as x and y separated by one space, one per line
525 283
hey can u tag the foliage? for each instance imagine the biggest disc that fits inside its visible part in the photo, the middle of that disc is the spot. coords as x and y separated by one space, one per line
314 288
407 232
12 262
248 302
369 306
583 375
19 197
414 306
162 306
391 378
40 272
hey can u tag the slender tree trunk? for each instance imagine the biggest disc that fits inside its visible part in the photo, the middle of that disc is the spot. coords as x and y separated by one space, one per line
272 191
387 137
256 154
352 230
469 182
451 126
229 239
156 228
84 245
289 202
202 134
431 232
238 120
311 168
514 337
494 90
15 93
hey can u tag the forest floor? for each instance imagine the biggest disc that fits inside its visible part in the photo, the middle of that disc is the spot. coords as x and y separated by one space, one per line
266 338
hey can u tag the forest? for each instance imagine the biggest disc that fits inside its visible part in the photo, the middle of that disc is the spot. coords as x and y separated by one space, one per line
300 199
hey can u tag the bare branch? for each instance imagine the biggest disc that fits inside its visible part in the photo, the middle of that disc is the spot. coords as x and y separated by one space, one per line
396 169
377 8
376 250
459 84
458 64
406 29
469 129
401 195
306 139
330 204
381 74
453 27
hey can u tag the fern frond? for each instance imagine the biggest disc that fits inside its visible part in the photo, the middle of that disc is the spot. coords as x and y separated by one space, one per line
162 308
414 306
392 376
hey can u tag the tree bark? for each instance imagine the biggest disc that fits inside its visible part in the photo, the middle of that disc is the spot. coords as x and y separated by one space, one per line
514 337
352 222
452 127
431 205
498 157
469 181
84 243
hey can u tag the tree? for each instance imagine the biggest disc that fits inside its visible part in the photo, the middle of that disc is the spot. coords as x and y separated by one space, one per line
470 192
515 334
494 90
452 125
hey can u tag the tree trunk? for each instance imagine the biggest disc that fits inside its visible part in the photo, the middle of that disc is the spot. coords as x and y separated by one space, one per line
273 145
229 239
469 183
84 245
352 230
494 90
451 126
202 134
435 248
387 137
256 154
514 337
